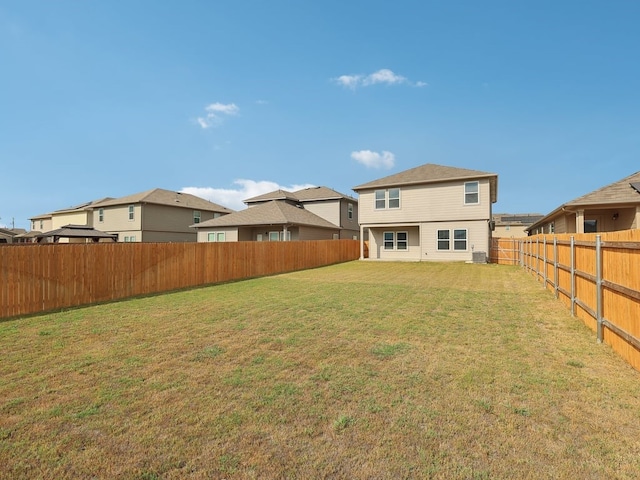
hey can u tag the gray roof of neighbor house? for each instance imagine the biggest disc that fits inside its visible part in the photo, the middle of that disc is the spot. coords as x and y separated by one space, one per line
431 173
13 231
273 212
516 219
621 191
302 195
77 231
160 196
75 208
617 193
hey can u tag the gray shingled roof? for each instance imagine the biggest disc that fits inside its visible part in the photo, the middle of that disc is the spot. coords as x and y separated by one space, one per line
302 195
432 173
77 231
273 212
617 192
427 173
160 196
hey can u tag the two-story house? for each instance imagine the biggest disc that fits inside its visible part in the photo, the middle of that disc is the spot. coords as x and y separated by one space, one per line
430 212
316 213
156 215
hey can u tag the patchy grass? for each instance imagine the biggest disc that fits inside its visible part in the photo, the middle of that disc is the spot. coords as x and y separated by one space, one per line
359 370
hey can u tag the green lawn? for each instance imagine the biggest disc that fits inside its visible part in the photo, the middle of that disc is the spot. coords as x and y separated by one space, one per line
359 370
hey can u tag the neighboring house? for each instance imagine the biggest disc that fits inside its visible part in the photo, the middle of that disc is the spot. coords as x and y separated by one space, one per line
76 234
430 212
509 225
613 207
154 216
8 235
76 215
339 209
42 223
271 221
315 213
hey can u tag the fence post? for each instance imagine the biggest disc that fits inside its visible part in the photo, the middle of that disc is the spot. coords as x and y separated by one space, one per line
537 258
573 276
599 287
555 264
544 262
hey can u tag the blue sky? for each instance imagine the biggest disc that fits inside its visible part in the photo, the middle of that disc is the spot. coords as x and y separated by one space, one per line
229 99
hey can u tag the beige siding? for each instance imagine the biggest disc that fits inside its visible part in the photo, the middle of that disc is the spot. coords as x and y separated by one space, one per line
116 219
42 225
428 203
477 240
327 209
508 231
376 244
311 233
230 233
60 220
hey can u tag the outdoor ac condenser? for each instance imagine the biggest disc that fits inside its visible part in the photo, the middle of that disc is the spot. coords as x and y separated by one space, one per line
479 257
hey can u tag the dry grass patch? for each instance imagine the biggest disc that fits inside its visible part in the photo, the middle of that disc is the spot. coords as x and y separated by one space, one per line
360 370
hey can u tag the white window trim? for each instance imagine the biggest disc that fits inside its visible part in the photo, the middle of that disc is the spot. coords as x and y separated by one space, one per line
350 211
131 212
197 216
215 237
466 240
101 215
477 193
387 199
394 234
452 240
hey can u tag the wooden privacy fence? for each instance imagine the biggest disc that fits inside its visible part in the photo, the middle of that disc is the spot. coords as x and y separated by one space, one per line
505 251
598 277
39 278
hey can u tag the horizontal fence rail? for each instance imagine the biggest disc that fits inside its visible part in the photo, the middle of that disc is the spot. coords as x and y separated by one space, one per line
597 276
40 278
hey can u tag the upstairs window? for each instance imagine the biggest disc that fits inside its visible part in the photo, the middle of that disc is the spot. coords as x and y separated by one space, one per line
101 215
350 211
387 198
471 193
131 211
196 216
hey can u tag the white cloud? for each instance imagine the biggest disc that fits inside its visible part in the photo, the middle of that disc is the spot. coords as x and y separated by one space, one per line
214 111
374 159
233 197
382 76
349 81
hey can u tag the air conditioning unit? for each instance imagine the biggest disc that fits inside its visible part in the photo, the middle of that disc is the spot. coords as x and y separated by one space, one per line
479 257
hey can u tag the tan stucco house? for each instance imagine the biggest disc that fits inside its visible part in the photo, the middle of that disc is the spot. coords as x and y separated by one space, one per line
431 212
613 207
156 215
316 213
